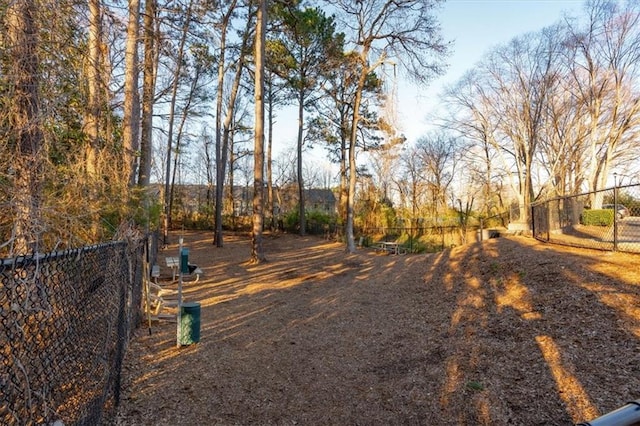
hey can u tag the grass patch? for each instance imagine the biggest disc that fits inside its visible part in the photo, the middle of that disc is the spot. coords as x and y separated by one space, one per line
475 386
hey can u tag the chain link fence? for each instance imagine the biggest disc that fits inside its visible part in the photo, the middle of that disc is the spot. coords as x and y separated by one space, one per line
607 220
419 239
65 320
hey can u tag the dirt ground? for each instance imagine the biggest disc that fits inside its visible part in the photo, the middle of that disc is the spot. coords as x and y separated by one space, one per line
509 331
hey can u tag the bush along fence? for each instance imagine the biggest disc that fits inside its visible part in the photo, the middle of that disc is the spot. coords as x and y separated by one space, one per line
607 220
65 320
419 239
435 238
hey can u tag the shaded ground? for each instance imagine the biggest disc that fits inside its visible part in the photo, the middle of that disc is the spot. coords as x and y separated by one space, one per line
508 331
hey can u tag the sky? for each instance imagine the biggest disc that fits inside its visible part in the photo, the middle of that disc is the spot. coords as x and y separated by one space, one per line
474 26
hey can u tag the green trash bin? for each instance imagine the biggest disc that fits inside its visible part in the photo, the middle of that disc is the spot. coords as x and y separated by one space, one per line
190 323
184 261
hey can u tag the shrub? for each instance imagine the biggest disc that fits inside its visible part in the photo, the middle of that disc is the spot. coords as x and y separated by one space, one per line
199 222
427 244
291 222
601 217
317 222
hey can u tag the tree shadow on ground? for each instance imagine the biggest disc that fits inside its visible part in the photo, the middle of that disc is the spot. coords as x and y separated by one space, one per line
509 331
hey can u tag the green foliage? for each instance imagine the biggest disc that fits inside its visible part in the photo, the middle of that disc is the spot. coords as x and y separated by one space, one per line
624 198
141 210
322 130
145 210
367 240
475 385
372 213
603 217
316 222
627 199
109 222
291 221
373 83
420 245
305 48
198 222
427 243
412 244
388 214
320 217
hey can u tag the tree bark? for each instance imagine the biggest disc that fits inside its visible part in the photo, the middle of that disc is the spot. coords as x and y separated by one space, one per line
168 188
94 73
257 248
131 114
148 93
353 138
22 39
222 141
301 207
221 149
269 205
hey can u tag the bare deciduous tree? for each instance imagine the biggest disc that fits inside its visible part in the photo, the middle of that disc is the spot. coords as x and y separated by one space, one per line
437 154
603 64
472 117
175 84
380 30
523 79
223 127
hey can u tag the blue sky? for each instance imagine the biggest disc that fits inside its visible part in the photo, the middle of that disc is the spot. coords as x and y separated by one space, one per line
475 26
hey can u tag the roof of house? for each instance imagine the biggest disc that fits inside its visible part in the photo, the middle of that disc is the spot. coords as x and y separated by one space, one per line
320 195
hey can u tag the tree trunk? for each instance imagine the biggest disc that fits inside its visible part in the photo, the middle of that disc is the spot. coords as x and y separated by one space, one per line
221 153
22 39
230 193
131 114
351 245
168 189
301 201
269 207
148 93
344 180
257 248
183 123
94 68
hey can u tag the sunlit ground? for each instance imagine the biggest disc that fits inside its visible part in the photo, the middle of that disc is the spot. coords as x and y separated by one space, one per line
509 331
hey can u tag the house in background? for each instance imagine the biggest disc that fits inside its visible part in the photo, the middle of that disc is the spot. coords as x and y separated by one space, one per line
320 200
191 199
242 200
317 200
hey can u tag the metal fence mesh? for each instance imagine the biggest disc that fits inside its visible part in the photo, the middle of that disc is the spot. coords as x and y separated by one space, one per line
65 319
418 239
564 220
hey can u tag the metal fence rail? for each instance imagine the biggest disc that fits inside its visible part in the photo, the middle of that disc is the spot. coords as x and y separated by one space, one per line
65 319
565 220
